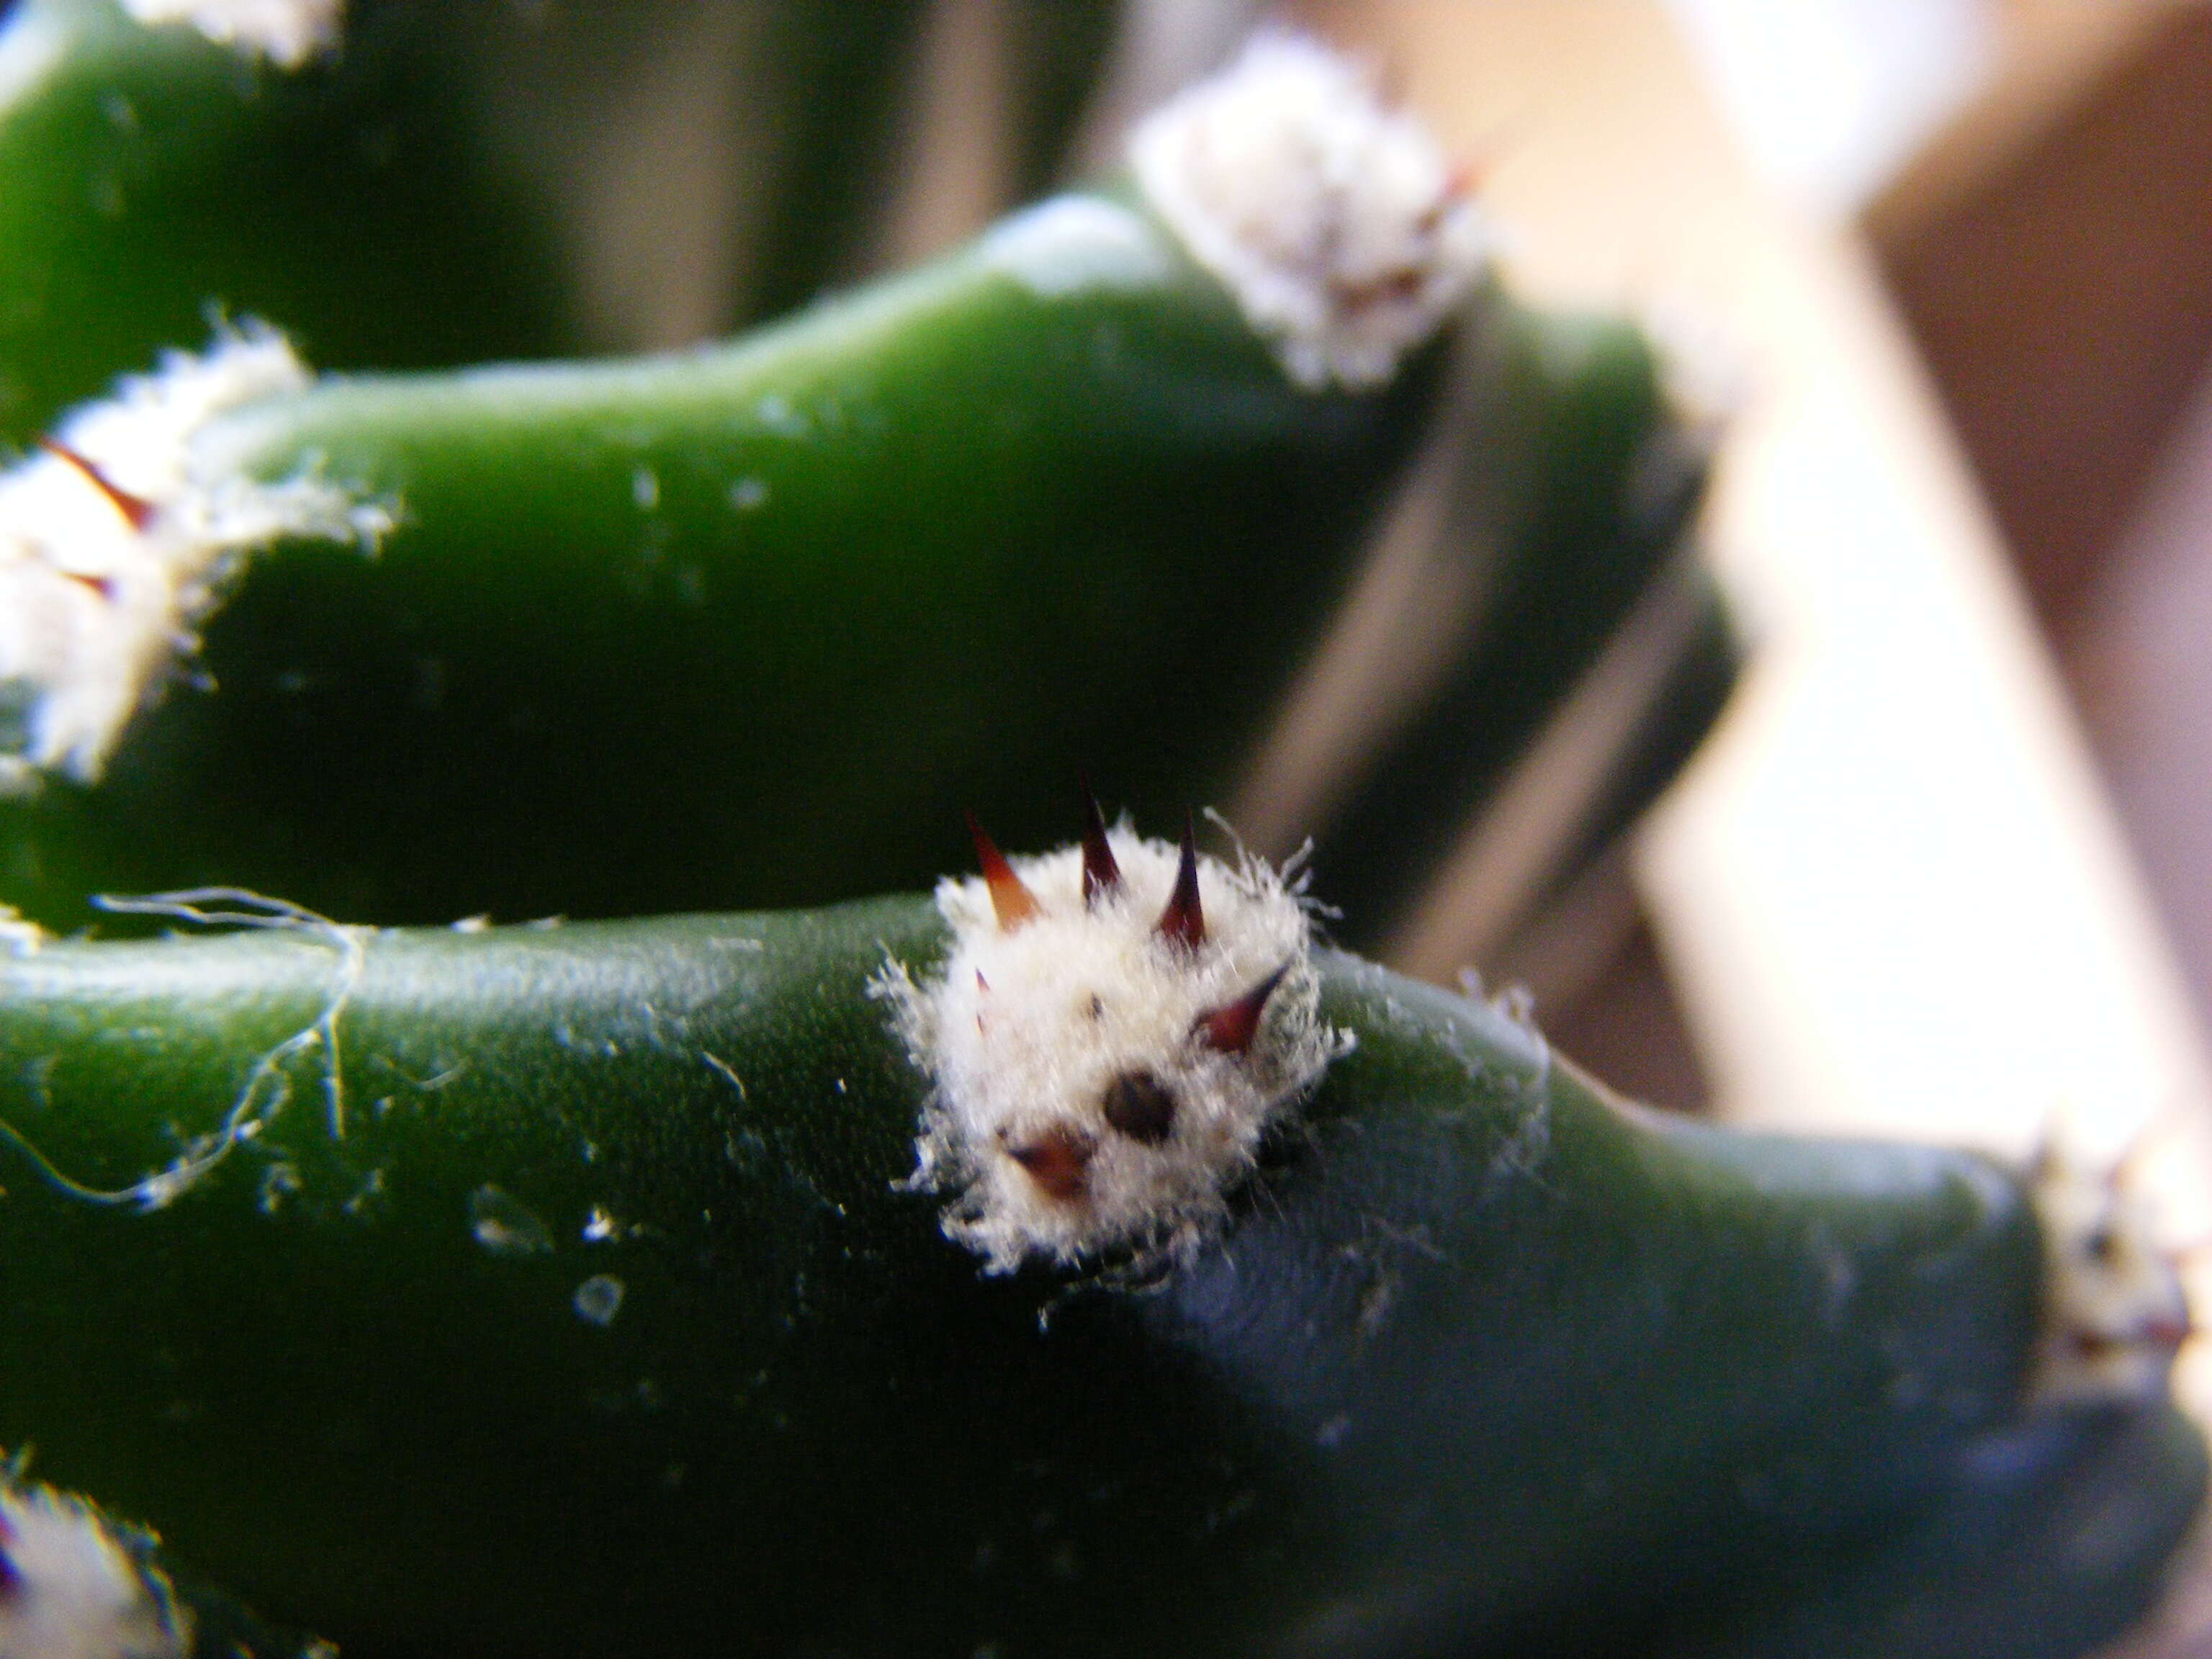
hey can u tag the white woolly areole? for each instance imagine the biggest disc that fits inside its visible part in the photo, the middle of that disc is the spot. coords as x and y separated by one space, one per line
94 607
1335 222
74 1589
1026 1030
2114 1310
288 33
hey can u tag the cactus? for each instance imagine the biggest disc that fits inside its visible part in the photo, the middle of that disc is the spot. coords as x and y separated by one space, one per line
1089 1259
828 1275
1057 491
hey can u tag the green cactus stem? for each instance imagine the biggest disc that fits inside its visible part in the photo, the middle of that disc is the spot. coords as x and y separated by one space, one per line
153 174
632 1287
545 638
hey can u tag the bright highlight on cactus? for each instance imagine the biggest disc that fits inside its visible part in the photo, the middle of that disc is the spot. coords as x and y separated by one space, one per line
1115 1027
116 538
1336 222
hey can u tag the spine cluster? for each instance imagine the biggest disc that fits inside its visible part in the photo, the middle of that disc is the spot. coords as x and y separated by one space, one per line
1339 226
1113 1029
116 538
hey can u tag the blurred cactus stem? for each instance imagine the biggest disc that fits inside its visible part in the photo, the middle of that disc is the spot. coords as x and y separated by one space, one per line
625 636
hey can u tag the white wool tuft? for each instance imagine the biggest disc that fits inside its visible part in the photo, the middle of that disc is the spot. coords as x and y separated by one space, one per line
2114 1310
19 936
75 1588
1026 1030
288 33
93 608
1335 222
